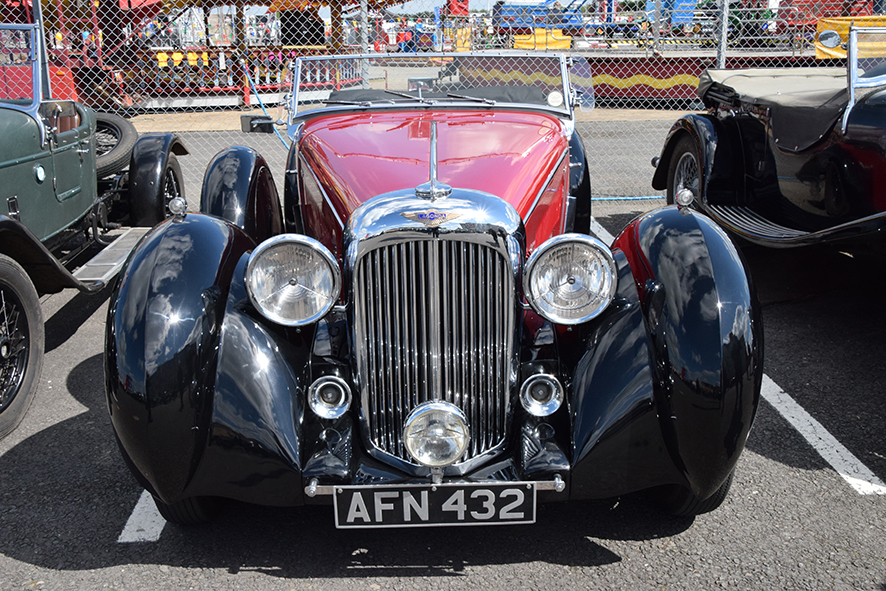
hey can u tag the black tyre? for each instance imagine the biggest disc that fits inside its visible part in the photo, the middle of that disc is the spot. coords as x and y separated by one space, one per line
114 139
151 208
190 511
21 343
680 501
683 169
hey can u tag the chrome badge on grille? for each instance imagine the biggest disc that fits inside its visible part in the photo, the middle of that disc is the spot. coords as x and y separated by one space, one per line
431 218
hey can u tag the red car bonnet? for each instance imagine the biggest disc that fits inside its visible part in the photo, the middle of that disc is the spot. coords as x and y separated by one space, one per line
510 154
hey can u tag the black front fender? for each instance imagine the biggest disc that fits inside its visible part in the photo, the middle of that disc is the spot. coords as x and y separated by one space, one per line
161 350
706 334
254 449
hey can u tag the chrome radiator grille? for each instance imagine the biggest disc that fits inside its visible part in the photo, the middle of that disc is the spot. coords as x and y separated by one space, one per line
435 320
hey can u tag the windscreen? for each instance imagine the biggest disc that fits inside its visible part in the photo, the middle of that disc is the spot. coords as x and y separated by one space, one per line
870 54
430 78
16 64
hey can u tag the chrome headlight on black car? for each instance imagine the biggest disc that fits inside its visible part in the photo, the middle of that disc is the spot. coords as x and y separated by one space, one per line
570 279
292 279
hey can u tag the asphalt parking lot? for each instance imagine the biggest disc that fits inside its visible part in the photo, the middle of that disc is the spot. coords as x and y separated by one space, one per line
807 509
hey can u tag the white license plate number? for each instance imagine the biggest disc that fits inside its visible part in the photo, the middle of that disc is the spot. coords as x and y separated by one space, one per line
430 505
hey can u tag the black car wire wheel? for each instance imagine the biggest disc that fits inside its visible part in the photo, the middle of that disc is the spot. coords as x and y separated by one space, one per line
13 347
683 172
21 343
172 186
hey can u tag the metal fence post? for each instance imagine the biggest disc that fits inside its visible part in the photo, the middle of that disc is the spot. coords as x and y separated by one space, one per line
656 26
364 41
722 34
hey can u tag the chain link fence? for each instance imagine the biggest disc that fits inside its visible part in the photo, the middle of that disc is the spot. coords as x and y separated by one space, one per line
197 67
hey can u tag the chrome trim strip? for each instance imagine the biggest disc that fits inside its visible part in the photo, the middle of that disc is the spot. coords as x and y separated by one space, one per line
447 106
322 190
548 182
315 489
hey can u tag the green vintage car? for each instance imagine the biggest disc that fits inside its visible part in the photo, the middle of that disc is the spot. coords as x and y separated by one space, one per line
57 208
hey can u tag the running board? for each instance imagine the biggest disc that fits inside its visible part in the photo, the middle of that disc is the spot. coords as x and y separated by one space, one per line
753 227
747 221
106 264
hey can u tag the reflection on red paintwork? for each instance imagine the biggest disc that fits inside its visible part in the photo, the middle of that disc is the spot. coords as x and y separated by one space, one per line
510 154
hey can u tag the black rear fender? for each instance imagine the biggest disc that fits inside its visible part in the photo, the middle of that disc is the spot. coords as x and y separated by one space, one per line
147 165
719 152
238 186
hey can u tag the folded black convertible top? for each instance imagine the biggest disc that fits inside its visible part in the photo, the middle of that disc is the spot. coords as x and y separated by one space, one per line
804 103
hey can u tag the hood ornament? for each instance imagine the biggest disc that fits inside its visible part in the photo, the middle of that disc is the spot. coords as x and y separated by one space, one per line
433 189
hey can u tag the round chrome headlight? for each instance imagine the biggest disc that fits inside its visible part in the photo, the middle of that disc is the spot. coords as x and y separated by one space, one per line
570 279
292 279
436 434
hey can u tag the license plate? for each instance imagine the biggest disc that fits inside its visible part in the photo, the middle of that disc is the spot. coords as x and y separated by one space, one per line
420 505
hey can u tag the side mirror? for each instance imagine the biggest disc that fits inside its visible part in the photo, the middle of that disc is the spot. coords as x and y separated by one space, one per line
829 39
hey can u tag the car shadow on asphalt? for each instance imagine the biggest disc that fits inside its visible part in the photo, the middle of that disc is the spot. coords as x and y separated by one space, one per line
68 495
823 323
62 325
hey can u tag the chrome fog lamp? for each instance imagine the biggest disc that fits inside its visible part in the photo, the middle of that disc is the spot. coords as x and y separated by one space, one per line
541 395
684 197
436 434
292 279
329 397
570 279
178 207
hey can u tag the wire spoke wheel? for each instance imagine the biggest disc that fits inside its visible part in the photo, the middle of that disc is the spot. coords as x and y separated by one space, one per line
114 139
171 187
14 346
106 139
21 343
684 171
686 174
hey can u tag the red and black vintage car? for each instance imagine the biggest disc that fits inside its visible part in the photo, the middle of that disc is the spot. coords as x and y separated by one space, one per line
423 331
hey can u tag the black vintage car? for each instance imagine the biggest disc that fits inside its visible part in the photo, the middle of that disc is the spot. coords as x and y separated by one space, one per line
57 209
422 332
787 157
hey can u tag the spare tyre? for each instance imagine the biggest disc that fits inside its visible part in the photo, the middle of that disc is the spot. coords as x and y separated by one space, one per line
114 140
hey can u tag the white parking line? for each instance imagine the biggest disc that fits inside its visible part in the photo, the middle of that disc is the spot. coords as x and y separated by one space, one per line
859 476
145 524
601 232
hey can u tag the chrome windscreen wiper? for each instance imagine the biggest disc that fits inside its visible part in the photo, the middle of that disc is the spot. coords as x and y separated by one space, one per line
355 103
418 98
471 98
